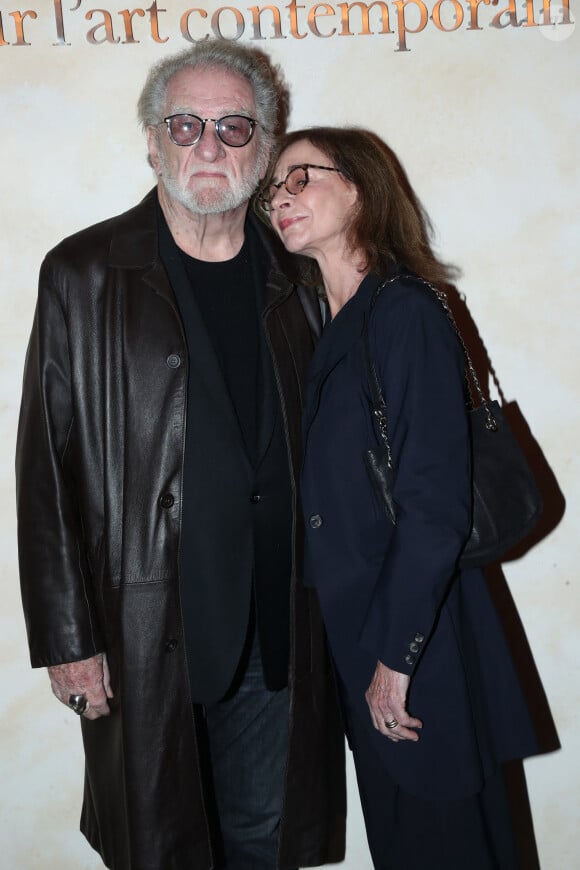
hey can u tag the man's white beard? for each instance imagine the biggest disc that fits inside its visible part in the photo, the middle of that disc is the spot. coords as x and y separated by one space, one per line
213 198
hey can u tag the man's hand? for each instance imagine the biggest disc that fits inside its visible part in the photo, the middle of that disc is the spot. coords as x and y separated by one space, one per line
387 700
90 678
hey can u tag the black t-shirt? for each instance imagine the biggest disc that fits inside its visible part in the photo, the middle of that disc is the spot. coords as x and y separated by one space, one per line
226 297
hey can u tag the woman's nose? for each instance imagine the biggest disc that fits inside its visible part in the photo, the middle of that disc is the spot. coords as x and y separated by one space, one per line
281 198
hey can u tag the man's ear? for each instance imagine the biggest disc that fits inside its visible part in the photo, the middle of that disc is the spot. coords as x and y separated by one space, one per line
153 149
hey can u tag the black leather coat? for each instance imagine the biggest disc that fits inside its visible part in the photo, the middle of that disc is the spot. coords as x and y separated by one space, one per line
99 459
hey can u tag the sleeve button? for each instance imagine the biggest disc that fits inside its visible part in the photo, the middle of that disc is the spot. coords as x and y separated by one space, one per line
414 647
315 521
410 660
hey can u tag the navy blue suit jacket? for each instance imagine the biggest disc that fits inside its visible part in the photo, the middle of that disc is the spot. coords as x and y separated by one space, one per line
393 592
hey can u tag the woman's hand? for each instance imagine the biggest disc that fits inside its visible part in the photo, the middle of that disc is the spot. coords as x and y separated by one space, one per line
387 700
90 678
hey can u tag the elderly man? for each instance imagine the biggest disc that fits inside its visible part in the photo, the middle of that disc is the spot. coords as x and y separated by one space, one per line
156 468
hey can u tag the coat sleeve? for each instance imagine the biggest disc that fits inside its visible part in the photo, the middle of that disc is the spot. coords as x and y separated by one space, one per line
422 370
56 592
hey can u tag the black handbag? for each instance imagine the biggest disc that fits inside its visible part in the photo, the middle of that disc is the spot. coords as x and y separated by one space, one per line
506 503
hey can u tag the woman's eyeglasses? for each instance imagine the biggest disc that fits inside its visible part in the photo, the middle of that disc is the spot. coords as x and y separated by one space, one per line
295 182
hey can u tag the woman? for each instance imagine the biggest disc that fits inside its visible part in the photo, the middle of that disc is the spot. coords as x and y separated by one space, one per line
431 701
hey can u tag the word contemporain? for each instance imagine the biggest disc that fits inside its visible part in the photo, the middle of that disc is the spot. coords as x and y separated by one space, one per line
398 18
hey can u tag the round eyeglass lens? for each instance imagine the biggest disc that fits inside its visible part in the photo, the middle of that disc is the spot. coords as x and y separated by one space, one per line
185 129
235 130
296 180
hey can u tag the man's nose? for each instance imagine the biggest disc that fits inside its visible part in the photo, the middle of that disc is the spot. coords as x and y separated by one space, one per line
209 146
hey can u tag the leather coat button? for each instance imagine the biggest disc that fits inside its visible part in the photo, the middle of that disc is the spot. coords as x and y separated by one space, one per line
315 521
166 500
171 645
255 498
173 360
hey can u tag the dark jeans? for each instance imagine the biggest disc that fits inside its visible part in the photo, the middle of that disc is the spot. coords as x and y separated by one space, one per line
248 739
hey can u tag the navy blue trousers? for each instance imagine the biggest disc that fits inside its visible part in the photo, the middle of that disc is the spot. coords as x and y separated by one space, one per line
405 832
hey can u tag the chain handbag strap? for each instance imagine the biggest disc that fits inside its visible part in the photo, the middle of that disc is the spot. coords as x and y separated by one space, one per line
490 422
379 405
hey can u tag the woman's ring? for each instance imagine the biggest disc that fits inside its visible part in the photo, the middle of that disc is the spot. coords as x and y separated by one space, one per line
392 724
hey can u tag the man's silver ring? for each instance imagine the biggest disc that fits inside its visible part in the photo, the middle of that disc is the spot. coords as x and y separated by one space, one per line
392 724
78 703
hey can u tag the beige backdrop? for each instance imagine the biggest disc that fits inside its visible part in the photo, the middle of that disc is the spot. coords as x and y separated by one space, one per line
487 123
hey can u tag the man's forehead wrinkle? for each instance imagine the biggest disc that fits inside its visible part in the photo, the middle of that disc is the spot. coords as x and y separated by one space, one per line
217 107
191 94
196 109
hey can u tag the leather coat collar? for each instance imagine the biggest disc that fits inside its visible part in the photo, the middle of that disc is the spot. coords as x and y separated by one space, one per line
135 245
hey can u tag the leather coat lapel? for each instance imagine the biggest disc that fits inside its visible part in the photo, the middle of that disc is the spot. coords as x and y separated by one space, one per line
134 244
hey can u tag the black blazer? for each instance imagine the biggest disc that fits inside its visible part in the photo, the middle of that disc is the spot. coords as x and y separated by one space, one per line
237 505
392 593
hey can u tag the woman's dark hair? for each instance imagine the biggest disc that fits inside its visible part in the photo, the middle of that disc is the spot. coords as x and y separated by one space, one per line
390 225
